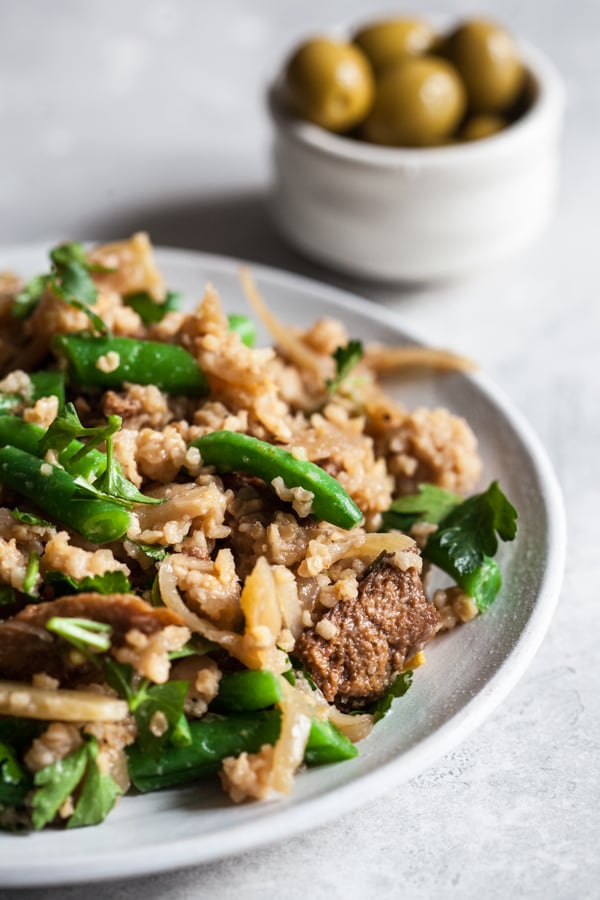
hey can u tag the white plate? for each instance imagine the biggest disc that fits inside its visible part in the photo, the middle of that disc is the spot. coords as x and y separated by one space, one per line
468 673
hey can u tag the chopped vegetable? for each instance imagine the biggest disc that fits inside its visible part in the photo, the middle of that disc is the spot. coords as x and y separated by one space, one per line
466 538
57 782
247 690
230 451
69 279
146 700
150 310
216 737
397 688
113 582
61 496
168 366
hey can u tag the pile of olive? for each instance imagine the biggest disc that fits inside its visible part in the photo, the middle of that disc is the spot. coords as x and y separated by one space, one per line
401 83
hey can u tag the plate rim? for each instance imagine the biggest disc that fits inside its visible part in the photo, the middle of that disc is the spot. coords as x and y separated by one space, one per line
287 821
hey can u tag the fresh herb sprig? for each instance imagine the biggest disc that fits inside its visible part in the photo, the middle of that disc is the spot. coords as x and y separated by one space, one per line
145 700
466 539
345 360
55 783
111 484
70 279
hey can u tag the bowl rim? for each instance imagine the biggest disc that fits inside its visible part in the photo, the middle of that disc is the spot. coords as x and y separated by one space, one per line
545 112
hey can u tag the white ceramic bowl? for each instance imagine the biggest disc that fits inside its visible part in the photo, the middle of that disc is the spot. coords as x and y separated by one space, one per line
396 214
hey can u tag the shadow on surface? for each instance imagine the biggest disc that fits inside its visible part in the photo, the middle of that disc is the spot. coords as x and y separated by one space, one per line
236 225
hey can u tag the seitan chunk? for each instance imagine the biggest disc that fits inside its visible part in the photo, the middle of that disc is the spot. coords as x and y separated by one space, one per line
27 647
356 647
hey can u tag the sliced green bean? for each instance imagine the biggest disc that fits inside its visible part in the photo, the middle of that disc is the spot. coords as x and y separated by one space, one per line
9 402
57 494
50 383
215 737
327 744
230 451
168 366
45 384
27 436
247 690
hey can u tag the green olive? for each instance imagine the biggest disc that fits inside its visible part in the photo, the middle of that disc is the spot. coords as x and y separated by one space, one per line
418 103
488 60
482 126
330 83
389 41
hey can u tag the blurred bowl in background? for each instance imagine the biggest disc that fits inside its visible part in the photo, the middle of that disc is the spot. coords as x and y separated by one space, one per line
418 215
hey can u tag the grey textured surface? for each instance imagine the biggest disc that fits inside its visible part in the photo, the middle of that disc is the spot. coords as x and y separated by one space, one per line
131 114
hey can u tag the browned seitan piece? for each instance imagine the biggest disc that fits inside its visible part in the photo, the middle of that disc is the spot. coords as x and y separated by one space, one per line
27 647
373 636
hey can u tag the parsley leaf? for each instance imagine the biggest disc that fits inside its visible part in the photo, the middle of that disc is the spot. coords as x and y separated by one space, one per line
76 284
115 486
345 360
145 700
467 535
150 310
30 518
114 582
111 483
155 552
28 298
397 688
469 532
431 504
67 427
98 793
55 783
69 279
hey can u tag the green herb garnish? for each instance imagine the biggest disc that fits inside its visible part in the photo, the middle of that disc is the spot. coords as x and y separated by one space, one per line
345 360
69 279
145 700
150 310
467 535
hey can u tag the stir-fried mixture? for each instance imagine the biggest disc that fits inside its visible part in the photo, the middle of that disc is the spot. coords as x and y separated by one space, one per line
212 555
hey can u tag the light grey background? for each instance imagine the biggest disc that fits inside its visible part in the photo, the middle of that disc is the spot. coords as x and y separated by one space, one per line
150 114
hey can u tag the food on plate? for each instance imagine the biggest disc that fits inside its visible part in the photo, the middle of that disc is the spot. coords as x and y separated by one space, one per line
400 83
215 558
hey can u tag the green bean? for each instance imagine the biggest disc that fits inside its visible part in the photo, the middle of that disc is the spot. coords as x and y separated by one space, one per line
45 384
245 328
247 690
57 494
9 402
48 383
168 366
27 436
326 744
215 737
230 451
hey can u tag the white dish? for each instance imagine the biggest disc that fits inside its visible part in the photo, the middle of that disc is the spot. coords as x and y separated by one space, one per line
425 214
468 673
